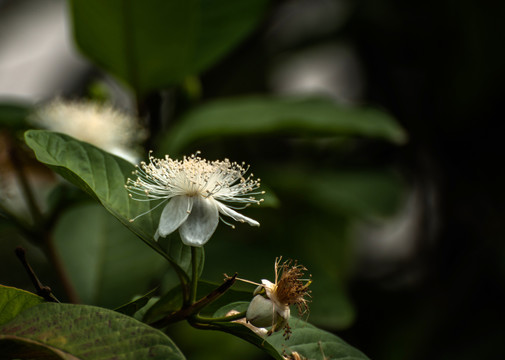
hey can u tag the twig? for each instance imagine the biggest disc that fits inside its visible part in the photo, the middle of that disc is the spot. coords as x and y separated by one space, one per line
187 312
25 185
56 261
42 290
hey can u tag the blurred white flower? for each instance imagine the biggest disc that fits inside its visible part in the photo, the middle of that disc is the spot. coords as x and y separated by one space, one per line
270 305
196 190
95 123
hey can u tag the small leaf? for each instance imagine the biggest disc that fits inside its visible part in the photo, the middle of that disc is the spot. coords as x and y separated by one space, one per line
83 332
153 44
13 301
306 339
234 294
100 174
135 305
281 115
168 303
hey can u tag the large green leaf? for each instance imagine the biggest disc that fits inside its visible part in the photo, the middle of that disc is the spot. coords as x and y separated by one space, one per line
154 43
362 193
99 173
103 176
281 115
306 339
105 262
13 301
314 343
82 332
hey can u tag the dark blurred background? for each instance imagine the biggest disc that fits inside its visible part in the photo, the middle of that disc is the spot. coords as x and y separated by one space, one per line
435 288
437 67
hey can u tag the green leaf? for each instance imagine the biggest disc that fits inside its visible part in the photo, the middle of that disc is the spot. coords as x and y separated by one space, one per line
357 193
99 173
306 339
234 294
106 263
103 176
181 253
13 301
239 306
314 343
155 43
83 332
168 303
281 115
242 331
13 115
133 306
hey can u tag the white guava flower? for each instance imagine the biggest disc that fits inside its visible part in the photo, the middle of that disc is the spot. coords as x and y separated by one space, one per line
196 190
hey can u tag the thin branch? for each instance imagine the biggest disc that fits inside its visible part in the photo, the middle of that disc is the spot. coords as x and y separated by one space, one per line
55 259
42 290
188 312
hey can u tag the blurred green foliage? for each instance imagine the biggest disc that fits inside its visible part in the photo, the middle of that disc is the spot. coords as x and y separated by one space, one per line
154 44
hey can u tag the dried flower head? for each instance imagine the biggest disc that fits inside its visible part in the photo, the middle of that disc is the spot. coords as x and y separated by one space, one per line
96 123
196 190
288 289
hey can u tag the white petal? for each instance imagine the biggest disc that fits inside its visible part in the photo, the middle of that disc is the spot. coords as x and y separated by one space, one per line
201 223
174 214
269 287
283 311
225 210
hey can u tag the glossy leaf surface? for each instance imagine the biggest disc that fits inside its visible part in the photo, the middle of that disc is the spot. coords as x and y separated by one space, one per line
83 332
103 176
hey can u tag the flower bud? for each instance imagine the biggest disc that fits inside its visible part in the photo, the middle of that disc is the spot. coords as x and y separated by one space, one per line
263 312
260 312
